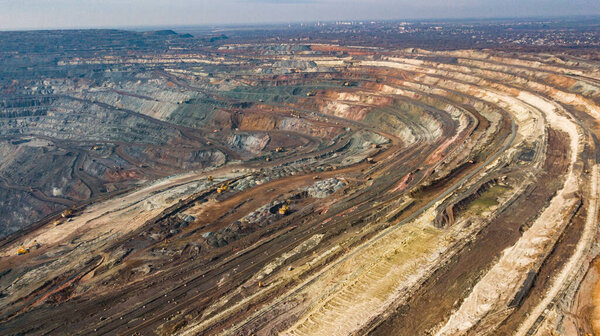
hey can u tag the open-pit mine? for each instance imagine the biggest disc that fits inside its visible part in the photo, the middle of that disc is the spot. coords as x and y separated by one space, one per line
163 183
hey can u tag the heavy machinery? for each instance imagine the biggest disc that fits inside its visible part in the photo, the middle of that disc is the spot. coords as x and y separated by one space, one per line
67 213
222 188
285 209
210 178
279 149
24 250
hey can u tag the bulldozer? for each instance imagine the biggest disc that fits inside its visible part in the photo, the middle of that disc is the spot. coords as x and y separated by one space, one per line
210 178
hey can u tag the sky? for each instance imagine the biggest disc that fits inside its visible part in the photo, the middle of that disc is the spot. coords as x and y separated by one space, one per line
43 14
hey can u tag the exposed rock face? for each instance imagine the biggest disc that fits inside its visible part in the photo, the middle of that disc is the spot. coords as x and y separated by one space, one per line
188 186
325 188
249 142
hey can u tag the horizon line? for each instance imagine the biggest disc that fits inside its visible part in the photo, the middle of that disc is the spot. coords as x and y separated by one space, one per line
142 28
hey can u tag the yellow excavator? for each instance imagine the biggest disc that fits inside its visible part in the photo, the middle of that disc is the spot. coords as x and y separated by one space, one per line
67 213
285 208
24 250
222 188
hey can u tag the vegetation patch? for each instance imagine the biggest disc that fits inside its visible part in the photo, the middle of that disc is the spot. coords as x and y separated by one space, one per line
487 199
